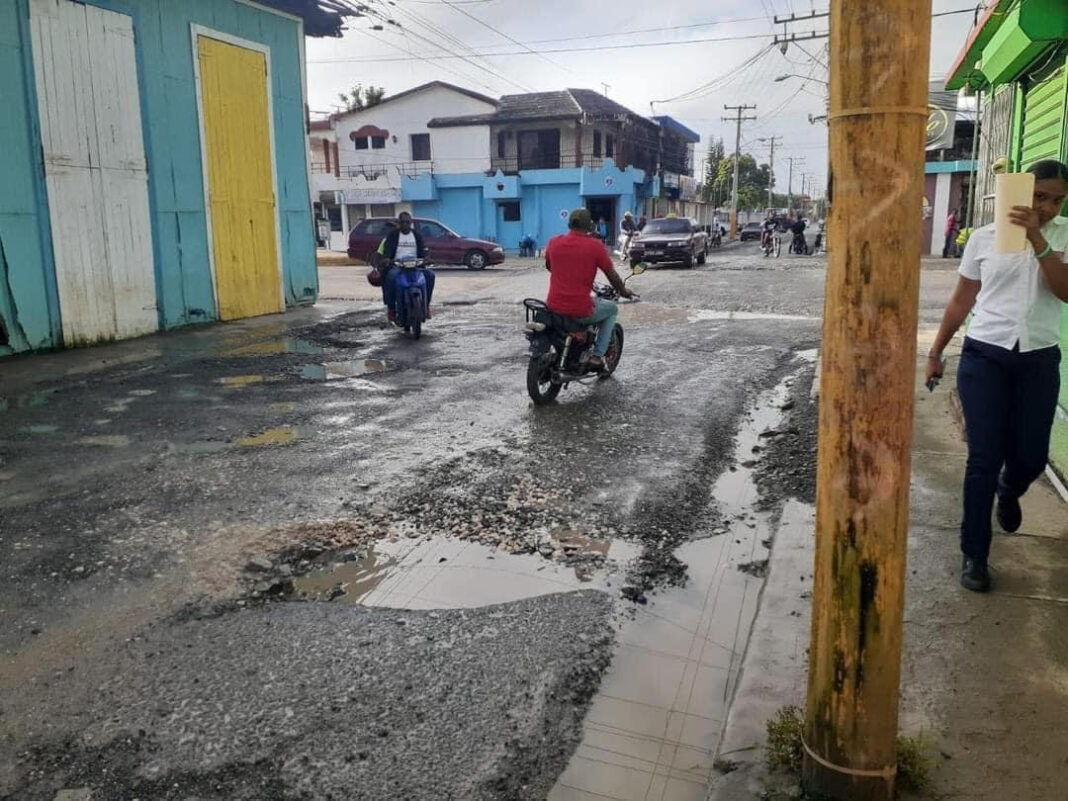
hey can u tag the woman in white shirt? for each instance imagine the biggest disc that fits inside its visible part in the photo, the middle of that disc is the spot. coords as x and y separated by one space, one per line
1009 373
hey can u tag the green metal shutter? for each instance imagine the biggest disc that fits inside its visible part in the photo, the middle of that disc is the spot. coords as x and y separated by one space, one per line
1043 120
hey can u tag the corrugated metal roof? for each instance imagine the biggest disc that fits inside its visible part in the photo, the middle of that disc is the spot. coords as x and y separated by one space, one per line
321 17
566 104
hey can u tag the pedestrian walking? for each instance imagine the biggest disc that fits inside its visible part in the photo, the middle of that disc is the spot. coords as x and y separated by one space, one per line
952 229
602 230
1009 377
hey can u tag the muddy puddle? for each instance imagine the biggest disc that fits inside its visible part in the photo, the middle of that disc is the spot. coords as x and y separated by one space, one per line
700 315
454 574
275 347
353 369
655 723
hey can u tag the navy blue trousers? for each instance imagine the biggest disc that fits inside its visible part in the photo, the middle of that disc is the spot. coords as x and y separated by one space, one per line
1009 400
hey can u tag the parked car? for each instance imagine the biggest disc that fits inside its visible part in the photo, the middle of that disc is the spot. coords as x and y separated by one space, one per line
753 230
444 245
671 239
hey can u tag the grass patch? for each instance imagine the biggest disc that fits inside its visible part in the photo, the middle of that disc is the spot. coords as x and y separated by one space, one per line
784 751
783 748
914 763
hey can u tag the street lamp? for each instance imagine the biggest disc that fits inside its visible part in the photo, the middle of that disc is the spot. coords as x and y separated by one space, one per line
790 75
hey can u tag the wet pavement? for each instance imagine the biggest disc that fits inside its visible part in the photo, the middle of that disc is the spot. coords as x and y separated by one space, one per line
181 513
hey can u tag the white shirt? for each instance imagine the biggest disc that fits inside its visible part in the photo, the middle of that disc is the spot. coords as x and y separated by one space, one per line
406 247
1015 304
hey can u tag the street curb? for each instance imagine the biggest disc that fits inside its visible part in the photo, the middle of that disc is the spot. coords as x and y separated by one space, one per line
774 671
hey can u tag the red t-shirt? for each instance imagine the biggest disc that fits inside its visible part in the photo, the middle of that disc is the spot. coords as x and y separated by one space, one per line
574 259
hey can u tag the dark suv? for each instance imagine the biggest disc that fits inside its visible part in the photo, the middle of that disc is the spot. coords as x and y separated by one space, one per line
444 246
671 239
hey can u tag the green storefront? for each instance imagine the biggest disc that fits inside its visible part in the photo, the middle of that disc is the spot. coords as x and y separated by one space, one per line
1016 56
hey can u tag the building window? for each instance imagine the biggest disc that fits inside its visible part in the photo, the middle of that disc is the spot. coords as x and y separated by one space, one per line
362 143
597 144
510 211
502 144
539 149
609 146
378 142
421 147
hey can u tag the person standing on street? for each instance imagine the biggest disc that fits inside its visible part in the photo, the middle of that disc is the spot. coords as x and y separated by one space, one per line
952 229
572 260
1009 373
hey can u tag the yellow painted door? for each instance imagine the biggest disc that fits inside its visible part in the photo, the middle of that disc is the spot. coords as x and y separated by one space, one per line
237 144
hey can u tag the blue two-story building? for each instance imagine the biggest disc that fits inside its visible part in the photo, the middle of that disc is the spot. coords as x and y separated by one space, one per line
550 153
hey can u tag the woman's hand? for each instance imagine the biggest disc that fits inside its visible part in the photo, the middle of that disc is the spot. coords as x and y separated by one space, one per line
935 368
1027 218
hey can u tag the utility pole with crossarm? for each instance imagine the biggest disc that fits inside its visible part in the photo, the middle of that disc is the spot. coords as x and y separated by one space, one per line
739 117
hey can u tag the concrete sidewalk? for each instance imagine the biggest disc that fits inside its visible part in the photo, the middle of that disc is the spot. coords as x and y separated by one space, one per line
984 677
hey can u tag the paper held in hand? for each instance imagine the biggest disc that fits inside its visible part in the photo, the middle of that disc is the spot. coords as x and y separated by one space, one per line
1012 189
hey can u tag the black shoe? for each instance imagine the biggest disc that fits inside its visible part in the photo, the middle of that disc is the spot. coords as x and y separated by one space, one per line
974 575
1009 514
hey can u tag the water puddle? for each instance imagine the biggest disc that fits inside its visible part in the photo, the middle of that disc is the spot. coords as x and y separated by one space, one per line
240 381
39 429
197 448
28 401
275 347
272 436
354 369
699 315
655 723
106 441
457 574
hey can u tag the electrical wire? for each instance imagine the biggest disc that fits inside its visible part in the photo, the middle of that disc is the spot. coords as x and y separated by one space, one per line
452 4
559 50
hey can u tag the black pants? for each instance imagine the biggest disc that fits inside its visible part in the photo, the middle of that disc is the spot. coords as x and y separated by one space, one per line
1009 400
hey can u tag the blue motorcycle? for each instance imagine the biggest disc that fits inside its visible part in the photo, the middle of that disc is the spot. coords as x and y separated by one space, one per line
411 297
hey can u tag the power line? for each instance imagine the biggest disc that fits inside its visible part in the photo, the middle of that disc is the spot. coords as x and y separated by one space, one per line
558 50
435 44
452 4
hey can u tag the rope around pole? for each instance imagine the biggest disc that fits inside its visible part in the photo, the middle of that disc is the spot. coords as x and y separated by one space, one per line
867 111
884 773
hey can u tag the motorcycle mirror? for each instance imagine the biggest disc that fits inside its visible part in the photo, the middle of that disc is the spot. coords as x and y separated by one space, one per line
638 269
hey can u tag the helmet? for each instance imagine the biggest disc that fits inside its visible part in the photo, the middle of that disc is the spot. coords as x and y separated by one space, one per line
627 214
374 278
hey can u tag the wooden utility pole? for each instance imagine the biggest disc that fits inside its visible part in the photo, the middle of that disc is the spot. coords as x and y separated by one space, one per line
739 117
773 141
790 182
878 113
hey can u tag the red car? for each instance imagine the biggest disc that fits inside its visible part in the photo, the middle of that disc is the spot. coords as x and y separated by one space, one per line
444 246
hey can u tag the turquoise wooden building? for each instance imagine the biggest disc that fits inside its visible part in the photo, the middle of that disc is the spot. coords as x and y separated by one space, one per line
153 164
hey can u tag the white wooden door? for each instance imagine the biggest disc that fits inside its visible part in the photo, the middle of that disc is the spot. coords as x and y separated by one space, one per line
95 170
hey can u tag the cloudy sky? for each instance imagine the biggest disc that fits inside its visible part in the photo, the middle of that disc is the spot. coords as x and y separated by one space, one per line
687 57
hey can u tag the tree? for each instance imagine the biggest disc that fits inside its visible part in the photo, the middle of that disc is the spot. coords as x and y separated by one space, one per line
716 153
753 181
360 97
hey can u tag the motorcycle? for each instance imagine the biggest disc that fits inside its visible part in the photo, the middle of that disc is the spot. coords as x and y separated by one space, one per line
411 298
561 347
717 237
799 245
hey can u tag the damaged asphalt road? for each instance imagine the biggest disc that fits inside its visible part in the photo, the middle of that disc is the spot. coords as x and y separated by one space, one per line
159 510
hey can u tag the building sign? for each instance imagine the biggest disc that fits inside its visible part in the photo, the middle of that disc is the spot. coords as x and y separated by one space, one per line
355 196
687 188
671 180
941 118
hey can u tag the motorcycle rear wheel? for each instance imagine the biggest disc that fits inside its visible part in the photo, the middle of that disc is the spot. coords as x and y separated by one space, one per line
614 354
540 386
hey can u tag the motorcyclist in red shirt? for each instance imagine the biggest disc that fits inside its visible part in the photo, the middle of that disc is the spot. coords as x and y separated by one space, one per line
572 260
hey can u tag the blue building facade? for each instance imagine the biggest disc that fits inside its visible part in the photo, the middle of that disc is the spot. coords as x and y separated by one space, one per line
38 232
505 208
